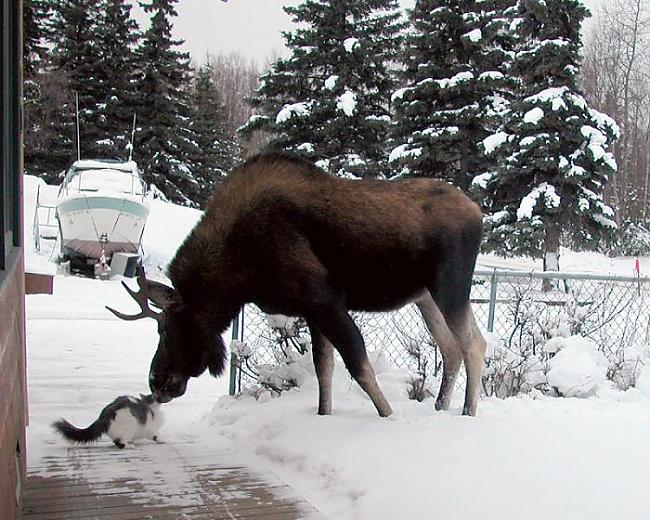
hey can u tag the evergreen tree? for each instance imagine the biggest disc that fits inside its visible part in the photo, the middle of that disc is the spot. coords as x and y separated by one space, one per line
164 142
456 72
76 54
328 101
553 152
217 152
35 14
35 36
116 38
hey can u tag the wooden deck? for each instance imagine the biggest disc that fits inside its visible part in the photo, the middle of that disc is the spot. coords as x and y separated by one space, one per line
165 481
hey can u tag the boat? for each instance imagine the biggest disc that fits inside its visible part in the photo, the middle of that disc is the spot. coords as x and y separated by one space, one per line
102 210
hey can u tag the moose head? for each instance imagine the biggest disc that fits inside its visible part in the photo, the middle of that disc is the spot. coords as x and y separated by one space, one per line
185 349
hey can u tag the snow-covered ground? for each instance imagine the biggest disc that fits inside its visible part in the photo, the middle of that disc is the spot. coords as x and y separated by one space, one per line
530 457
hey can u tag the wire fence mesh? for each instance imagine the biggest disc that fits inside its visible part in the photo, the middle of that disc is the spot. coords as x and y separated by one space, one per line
518 311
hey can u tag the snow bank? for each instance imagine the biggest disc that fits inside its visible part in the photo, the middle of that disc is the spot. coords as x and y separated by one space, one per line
166 228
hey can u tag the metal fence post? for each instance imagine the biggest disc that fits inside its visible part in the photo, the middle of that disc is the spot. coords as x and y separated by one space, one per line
493 301
232 387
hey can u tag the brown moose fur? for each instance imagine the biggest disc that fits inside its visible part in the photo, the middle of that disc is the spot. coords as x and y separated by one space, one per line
282 234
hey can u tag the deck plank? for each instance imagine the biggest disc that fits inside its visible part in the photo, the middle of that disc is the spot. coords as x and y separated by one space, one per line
166 481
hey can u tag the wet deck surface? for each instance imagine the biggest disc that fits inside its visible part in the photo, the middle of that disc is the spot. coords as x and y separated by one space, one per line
155 481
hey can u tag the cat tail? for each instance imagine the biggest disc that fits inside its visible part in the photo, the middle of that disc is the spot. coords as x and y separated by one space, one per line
79 435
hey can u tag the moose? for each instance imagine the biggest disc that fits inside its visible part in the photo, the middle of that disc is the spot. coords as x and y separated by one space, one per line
283 234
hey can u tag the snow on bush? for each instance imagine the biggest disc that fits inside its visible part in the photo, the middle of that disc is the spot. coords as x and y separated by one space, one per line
579 369
289 345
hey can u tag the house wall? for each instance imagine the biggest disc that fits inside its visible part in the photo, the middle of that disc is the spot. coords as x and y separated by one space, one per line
12 389
13 406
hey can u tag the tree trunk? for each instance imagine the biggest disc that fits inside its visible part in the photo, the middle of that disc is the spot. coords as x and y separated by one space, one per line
551 253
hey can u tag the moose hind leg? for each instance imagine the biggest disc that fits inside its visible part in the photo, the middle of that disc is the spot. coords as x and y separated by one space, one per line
323 354
340 329
448 345
473 346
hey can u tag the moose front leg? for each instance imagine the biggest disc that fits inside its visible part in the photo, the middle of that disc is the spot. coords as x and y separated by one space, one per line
323 354
337 326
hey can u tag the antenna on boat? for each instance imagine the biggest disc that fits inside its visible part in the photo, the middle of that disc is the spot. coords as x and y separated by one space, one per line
132 139
77 115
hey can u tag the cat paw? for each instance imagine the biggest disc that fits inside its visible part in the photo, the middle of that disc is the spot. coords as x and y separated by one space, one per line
157 439
119 444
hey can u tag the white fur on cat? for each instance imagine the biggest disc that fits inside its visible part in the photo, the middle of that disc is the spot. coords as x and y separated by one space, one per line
126 428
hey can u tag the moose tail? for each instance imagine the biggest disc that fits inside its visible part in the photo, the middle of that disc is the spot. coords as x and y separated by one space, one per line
79 435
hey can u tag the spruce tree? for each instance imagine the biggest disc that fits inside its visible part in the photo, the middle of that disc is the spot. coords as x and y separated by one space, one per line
329 100
116 37
35 32
77 55
553 151
457 86
164 144
35 37
217 152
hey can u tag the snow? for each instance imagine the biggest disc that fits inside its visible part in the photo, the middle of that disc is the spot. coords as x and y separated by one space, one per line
584 459
347 103
541 455
351 44
481 180
494 141
604 121
491 75
474 36
579 369
454 81
533 116
90 164
292 110
527 205
306 147
398 95
106 180
403 151
330 83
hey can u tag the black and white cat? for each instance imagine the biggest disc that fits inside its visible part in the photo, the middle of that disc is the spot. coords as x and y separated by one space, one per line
125 420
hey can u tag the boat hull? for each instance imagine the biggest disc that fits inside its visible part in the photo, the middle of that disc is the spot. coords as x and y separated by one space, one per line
92 224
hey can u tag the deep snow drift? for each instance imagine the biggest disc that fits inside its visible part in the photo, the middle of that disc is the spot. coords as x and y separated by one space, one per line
531 457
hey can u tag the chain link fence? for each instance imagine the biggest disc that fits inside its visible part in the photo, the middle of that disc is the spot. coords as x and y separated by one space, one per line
518 311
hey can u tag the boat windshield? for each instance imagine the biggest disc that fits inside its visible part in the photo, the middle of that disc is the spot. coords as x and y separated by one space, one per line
103 176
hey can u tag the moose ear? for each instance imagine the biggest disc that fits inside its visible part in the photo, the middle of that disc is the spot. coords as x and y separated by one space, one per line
161 295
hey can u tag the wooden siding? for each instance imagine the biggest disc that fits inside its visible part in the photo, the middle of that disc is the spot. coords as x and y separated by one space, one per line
39 283
12 389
